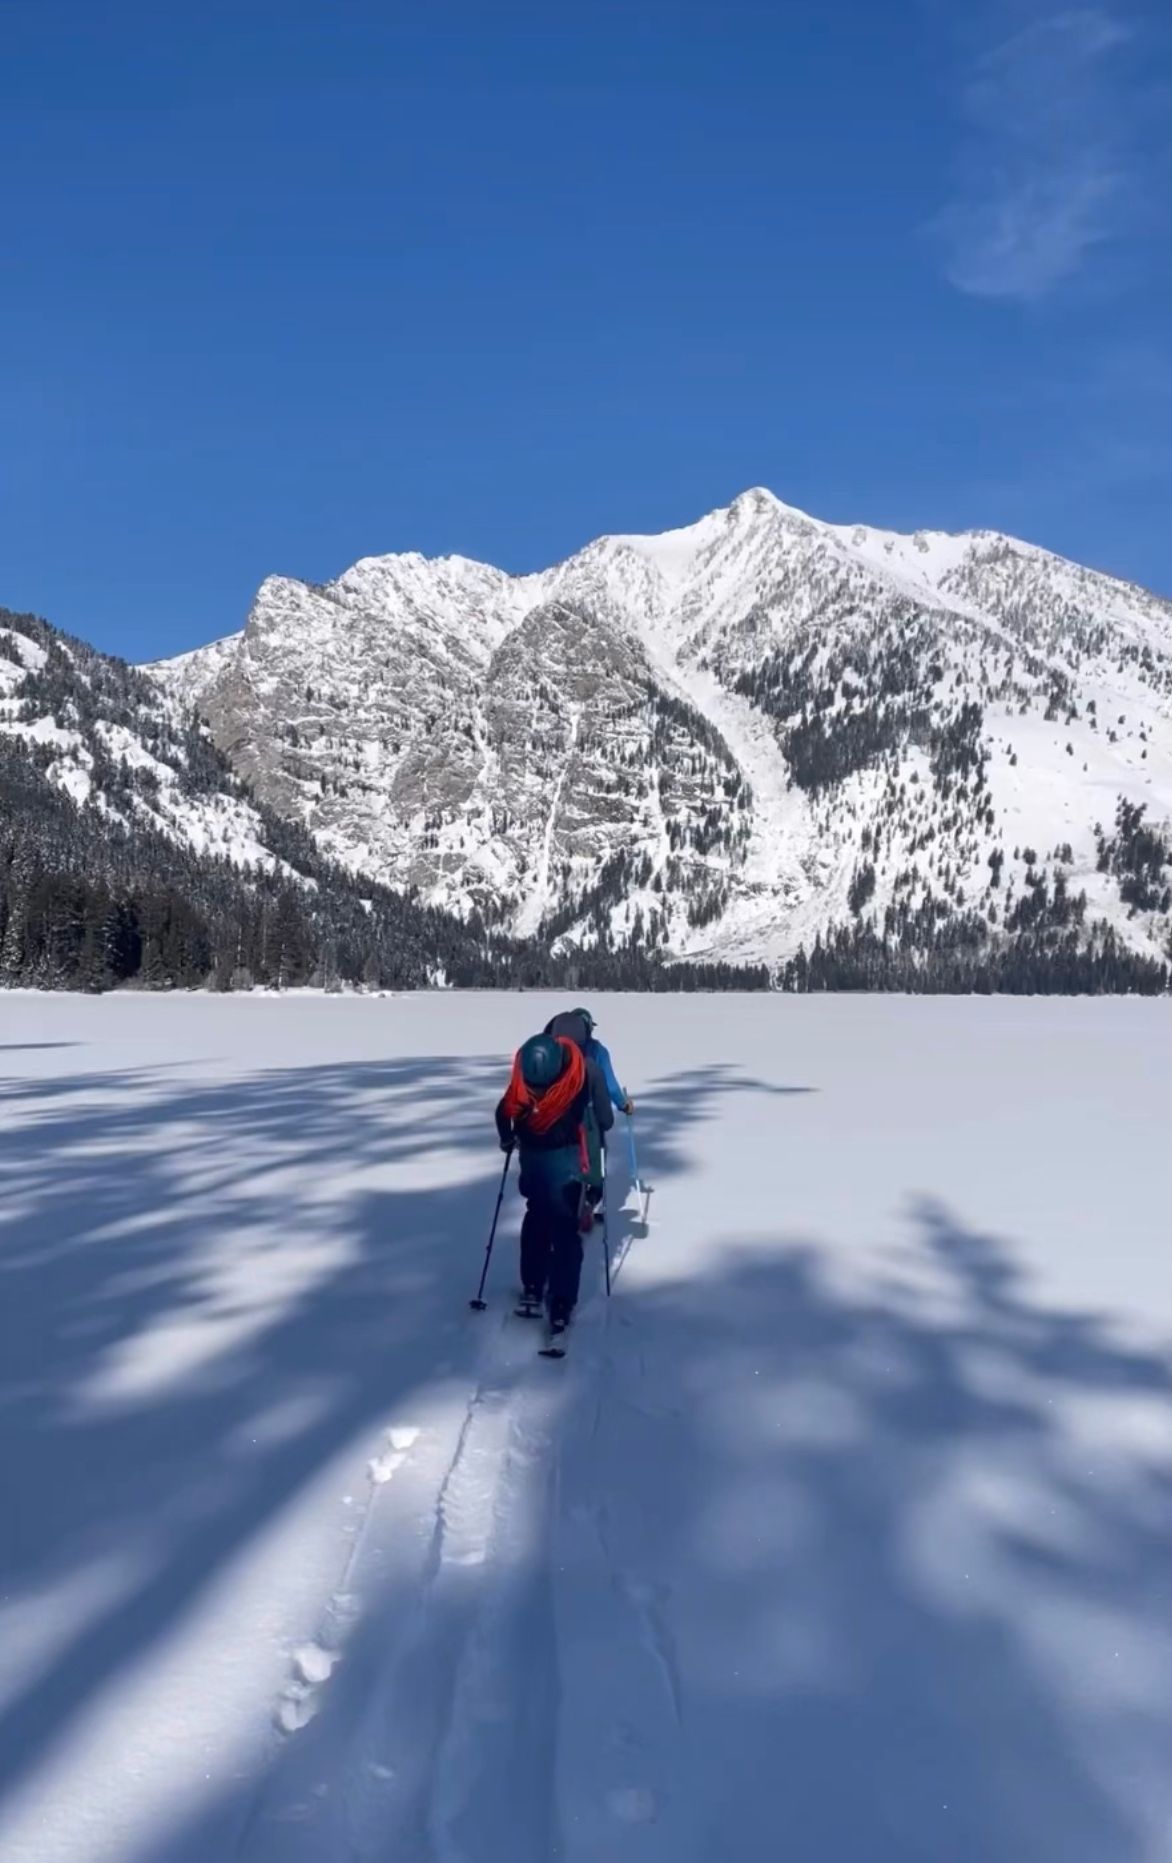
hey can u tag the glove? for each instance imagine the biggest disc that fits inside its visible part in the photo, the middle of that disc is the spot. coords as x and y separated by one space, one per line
506 1144
628 1107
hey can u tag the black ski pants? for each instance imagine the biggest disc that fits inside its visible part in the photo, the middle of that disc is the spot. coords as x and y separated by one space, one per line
551 1247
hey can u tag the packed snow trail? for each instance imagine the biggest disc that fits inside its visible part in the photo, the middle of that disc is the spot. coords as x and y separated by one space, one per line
841 1532
396 1753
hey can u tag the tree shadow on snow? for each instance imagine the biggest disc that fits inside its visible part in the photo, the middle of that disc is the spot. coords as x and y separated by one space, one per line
665 1114
841 1574
132 1200
906 1593
26 1047
863 1572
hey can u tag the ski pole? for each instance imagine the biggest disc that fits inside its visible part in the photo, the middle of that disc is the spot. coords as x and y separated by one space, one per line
605 1227
479 1304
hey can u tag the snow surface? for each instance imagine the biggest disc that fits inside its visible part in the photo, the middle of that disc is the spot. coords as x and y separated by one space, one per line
842 1534
206 821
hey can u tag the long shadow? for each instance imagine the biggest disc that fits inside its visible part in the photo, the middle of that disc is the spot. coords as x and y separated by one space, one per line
902 1585
144 1213
26 1047
903 1613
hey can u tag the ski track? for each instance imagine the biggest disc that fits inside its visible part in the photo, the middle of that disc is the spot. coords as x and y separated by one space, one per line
638 1606
444 1743
449 1724
495 1761
625 1725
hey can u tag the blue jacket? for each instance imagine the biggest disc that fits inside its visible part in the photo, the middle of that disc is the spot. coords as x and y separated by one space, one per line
601 1057
573 1024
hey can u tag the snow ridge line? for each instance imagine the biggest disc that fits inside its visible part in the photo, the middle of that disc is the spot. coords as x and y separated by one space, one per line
314 1662
454 1676
438 1696
646 1601
494 1760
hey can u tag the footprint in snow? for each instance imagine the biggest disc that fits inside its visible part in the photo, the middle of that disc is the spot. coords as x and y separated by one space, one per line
313 1663
300 1698
397 1441
296 1708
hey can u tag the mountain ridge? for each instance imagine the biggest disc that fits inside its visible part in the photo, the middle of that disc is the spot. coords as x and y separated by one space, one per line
765 725
132 853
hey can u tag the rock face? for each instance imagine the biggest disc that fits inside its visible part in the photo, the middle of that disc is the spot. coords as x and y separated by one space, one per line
109 739
721 741
132 852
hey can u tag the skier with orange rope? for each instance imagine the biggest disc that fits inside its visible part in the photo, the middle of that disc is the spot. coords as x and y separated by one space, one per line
553 1094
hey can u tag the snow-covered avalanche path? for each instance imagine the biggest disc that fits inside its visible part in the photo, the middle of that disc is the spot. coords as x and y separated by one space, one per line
781 838
841 1534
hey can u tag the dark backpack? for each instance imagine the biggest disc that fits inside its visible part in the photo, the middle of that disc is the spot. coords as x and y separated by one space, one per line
571 1024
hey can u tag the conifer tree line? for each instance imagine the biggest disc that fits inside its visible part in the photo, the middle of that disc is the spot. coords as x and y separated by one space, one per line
85 904
1140 859
95 894
1045 943
962 959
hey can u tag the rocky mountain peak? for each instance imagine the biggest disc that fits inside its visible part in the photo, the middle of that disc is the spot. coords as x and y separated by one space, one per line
728 739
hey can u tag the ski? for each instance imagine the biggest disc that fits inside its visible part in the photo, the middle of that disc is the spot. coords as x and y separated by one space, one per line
555 1343
529 1310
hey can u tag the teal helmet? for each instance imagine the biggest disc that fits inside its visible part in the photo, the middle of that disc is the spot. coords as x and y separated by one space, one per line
542 1061
587 1018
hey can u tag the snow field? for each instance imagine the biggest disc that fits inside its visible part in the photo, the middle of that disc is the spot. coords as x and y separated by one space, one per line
841 1533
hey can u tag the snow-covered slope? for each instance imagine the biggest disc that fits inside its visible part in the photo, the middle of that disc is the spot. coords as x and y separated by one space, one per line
841 1535
105 735
722 740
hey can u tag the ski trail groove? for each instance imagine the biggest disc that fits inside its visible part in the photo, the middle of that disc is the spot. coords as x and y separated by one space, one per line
494 1767
658 1642
478 1616
438 1738
645 1601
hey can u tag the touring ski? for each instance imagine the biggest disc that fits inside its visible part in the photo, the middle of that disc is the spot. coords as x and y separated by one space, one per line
555 1341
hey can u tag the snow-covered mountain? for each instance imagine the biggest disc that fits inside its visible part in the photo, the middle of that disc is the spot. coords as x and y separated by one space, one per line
724 740
103 734
132 852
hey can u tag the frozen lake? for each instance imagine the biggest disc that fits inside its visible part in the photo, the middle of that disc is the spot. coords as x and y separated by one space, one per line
841 1535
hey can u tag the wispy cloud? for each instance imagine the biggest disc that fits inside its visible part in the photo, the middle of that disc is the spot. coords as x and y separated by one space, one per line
1047 156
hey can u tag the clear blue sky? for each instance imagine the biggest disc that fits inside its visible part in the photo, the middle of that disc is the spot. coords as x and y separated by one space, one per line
288 284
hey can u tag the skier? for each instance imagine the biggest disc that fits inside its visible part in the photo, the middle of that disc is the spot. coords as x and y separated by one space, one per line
579 1025
553 1092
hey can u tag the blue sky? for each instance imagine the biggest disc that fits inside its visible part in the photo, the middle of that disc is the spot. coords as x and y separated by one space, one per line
288 284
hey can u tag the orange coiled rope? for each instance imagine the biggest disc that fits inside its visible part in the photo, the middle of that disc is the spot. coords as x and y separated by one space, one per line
537 1112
